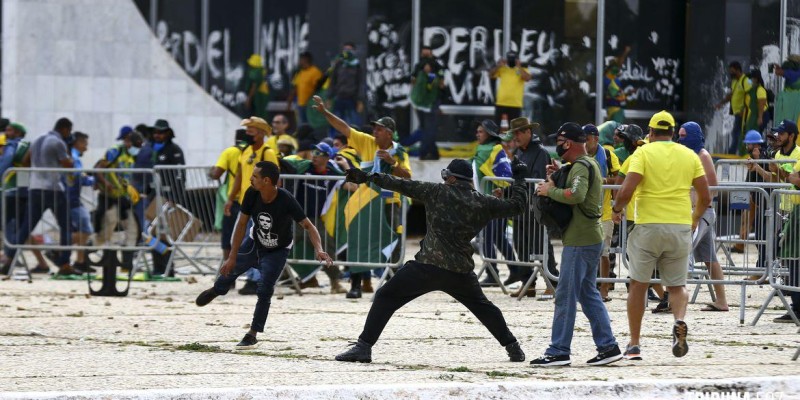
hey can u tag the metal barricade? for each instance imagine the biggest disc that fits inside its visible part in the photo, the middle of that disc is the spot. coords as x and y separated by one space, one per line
361 226
736 170
49 202
521 240
784 271
189 215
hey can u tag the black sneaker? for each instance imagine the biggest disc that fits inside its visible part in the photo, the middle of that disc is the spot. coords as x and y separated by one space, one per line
785 318
248 342
360 352
515 353
652 296
489 281
250 288
606 357
662 307
551 361
679 333
205 297
353 294
512 279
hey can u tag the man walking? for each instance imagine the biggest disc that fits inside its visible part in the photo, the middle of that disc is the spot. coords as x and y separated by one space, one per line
662 173
583 242
455 212
740 85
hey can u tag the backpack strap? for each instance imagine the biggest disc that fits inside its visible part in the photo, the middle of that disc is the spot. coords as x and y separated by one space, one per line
591 180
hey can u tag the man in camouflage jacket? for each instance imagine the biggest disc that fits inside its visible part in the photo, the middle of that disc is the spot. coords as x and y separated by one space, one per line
454 212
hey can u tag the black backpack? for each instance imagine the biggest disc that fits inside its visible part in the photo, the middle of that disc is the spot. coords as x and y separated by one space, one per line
555 216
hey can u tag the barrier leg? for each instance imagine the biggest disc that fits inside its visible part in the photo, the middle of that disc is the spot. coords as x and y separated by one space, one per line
109 283
742 301
524 289
496 275
788 308
764 306
797 353
294 278
695 293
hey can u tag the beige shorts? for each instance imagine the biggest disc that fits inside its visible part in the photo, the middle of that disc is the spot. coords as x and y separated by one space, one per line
660 246
608 232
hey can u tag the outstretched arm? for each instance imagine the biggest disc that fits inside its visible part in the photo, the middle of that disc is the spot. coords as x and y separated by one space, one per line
332 119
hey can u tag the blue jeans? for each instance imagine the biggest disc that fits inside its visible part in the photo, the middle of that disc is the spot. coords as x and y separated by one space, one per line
40 201
346 110
578 283
270 263
428 126
302 116
736 134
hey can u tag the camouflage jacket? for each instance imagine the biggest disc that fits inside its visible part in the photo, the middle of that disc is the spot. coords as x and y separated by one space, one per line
454 214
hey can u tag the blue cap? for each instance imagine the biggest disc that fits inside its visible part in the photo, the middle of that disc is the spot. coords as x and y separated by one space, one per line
590 129
786 126
325 148
753 137
124 131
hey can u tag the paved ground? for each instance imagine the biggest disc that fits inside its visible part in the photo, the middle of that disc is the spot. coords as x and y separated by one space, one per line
57 338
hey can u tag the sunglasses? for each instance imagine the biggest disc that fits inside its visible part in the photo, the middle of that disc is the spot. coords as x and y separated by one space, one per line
319 153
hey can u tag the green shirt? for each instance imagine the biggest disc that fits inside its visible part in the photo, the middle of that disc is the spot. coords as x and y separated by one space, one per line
582 230
622 153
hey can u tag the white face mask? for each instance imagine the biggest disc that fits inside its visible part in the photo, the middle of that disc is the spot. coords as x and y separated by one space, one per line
133 151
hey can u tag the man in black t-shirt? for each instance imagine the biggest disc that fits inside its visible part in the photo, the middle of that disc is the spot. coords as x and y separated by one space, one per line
272 211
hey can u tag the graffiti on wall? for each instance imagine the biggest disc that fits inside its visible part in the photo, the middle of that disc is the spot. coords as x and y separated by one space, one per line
388 68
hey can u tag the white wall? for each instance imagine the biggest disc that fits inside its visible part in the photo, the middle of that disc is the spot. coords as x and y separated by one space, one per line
97 63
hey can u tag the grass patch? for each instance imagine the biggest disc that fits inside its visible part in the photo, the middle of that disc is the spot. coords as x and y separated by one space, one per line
446 377
292 356
501 374
77 314
199 347
459 369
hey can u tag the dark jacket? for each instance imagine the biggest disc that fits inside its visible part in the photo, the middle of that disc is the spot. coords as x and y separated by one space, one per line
454 214
173 181
345 81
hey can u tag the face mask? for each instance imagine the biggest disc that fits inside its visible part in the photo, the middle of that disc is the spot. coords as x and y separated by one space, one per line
614 71
249 139
133 151
511 61
158 146
560 150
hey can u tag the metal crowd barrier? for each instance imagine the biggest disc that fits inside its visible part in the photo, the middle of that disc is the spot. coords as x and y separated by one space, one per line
188 214
735 170
523 244
107 223
358 228
784 274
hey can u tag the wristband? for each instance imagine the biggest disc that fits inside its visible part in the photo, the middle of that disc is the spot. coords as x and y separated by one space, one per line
615 211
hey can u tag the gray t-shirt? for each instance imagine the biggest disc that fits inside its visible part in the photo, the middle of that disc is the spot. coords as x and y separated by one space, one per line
47 151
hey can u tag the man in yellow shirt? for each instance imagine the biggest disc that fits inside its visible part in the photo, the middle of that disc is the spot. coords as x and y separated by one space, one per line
740 85
510 89
379 154
304 84
280 126
228 164
663 172
256 152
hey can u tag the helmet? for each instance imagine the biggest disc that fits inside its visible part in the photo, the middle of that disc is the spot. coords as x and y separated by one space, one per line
753 137
631 132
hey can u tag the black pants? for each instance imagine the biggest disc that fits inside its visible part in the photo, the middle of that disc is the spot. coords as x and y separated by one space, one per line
415 279
510 112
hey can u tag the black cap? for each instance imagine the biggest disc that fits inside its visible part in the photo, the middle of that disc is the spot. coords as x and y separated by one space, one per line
460 169
161 125
491 128
571 131
386 122
590 129
786 126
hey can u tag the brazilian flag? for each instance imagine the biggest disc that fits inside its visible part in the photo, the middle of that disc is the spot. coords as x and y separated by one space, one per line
369 236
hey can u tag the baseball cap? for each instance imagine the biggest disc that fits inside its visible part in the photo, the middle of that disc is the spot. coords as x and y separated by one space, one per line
124 131
459 168
590 129
386 122
323 147
161 125
19 127
571 131
662 120
256 122
786 126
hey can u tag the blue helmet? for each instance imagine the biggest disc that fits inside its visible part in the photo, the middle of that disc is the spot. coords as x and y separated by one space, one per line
753 137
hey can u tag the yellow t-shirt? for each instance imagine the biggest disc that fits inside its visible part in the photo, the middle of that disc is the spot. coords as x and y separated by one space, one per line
788 202
228 161
366 147
248 161
305 81
510 88
272 141
607 193
739 88
667 170
630 209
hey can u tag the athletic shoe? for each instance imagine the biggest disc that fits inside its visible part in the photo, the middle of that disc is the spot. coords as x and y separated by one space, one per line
785 318
662 307
633 353
360 352
205 297
552 361
679 333
515 353
606 357
248 342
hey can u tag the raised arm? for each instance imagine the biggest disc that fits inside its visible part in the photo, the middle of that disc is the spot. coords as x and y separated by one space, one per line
332 119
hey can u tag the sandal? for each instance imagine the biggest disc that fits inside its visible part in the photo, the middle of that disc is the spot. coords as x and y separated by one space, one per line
711 307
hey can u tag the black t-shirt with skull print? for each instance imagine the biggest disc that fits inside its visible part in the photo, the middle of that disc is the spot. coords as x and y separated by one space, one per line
272 222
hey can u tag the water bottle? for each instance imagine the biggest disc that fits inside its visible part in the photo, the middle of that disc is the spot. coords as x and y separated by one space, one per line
155 244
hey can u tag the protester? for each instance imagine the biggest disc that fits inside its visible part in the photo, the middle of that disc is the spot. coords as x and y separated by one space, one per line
173 184
280 126
346 85
228 164
81 222
756 115
256 87
740 85
427 80
455 213
304 84
512 76
614 99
